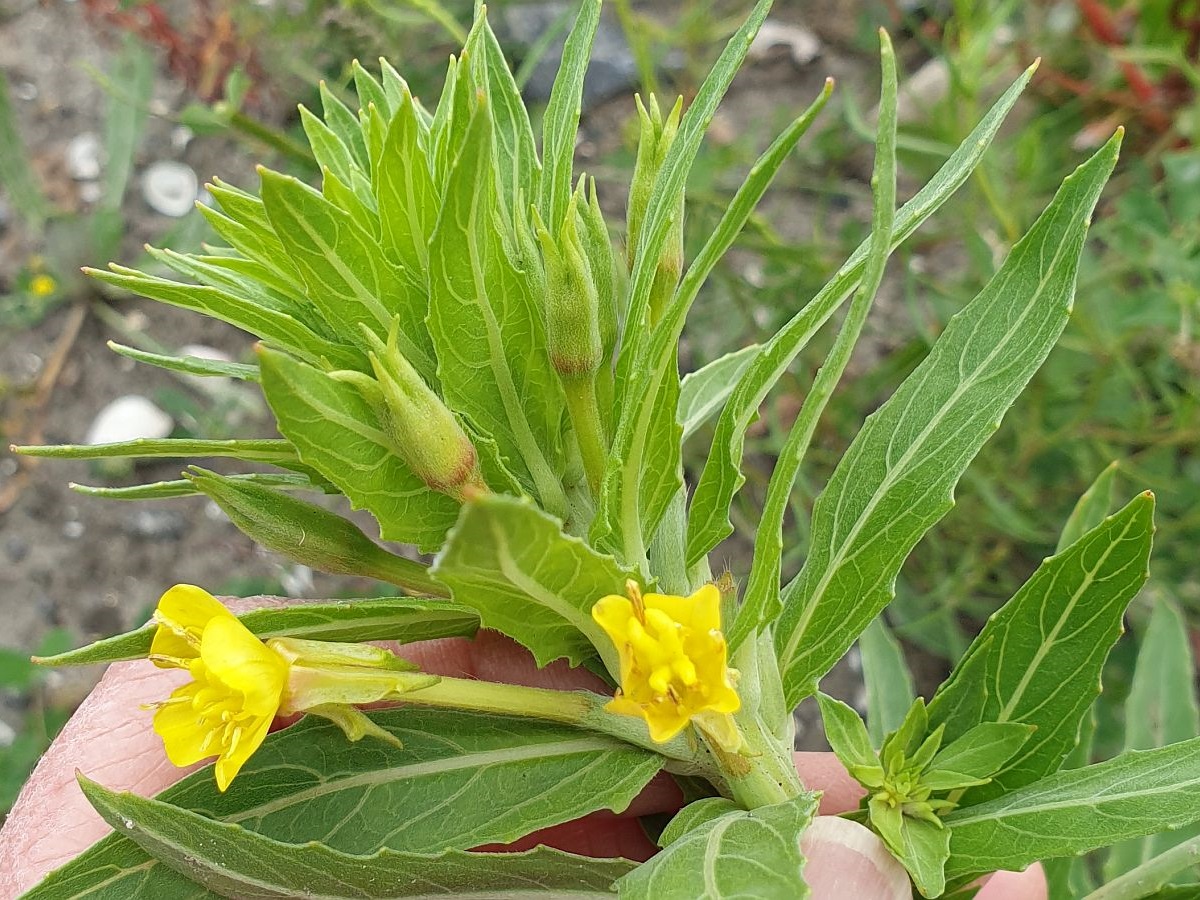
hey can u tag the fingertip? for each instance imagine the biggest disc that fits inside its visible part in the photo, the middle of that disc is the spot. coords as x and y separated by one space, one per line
845 859
1027 885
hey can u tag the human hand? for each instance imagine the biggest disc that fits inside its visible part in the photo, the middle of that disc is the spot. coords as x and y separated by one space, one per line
110 740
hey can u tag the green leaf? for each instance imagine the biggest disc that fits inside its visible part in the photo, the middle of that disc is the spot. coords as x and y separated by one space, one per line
309 534
897 478
1043 651
271 325
348 277
695 814
708 521
1160 710
247 227
401 619
275 452
188 365
560 124
338 433
235 862
923 851
846 733
1137 793
889 684
725 856
762 602
407 196
1093 506
976 756
344 124
902 743
517 167
487 326
703 392
166 490
370 90
513 563
330 150
451 787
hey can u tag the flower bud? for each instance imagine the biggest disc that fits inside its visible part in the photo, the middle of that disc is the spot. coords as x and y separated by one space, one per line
654 141
598 248
426 434
307 533
572 306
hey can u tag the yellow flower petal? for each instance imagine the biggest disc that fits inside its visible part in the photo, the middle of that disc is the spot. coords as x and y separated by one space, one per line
244 664
672 658
182 614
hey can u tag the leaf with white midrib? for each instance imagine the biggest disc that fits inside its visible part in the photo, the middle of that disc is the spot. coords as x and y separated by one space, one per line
235 862
741 853
453 786
1134 794
898 476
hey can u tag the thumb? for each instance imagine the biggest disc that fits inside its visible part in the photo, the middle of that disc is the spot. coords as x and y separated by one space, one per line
845 859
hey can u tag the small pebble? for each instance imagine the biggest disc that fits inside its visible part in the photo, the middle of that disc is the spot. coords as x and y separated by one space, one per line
73 530
170 188
802 45
155 525
85 156
129 418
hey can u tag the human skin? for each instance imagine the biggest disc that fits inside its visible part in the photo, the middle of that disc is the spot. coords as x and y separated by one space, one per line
110 740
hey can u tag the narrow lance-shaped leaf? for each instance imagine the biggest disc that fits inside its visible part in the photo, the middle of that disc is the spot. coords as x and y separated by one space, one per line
235 862
405 191
340 435
517 167
273 451
898 476
708 518
1040 655
726 854
168 490
402 619
188 365
513 563
560 124
1161 709
1076 810
451 787
761 603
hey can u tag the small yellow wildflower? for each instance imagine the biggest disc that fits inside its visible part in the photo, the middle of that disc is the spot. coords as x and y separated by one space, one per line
42 285
673 661
239 684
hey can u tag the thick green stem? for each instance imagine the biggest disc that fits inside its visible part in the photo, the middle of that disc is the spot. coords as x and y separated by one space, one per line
581 709
762 773
589 432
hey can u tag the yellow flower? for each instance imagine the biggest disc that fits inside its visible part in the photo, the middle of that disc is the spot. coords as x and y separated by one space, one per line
42 286
237 688
239 684
673 661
